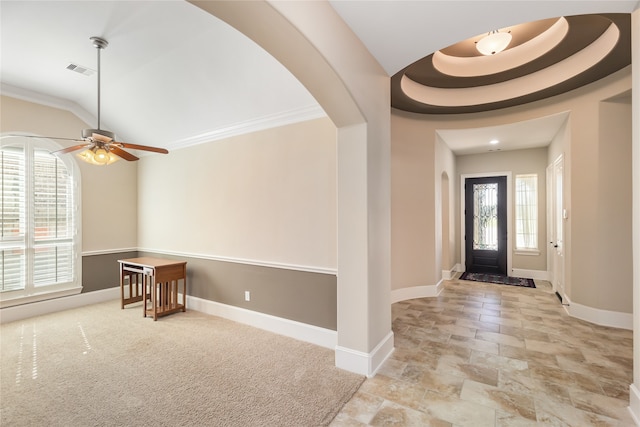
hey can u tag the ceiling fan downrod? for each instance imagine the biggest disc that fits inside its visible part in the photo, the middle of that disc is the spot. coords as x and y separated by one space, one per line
99 43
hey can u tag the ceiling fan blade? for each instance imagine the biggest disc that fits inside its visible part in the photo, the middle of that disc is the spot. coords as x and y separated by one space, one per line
120 152
72 148
47 137
143 147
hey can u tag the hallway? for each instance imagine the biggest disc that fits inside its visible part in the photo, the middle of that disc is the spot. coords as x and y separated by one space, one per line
496 355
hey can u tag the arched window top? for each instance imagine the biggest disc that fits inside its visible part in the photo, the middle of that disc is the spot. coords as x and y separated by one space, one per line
40 239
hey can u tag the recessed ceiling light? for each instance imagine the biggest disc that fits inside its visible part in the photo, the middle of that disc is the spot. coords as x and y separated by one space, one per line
494 142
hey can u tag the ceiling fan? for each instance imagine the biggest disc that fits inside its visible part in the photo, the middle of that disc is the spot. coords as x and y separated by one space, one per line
99 145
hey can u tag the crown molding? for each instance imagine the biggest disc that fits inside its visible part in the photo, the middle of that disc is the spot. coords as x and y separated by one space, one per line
253 125
47 100
240 128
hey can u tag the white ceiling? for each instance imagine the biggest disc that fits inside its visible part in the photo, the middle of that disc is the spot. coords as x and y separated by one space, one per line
174 75
514 136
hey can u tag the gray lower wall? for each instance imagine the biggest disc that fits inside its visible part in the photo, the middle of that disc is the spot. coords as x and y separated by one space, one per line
301 296
102 271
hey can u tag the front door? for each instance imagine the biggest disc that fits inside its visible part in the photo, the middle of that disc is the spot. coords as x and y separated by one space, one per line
486 225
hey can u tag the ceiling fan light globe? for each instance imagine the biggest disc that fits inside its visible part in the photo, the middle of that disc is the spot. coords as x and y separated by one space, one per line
86 156
101 156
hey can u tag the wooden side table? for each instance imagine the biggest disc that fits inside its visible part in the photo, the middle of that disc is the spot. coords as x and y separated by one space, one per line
159 279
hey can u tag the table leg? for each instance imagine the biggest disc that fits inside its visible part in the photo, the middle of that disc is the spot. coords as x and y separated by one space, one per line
121 288
155 298
145 294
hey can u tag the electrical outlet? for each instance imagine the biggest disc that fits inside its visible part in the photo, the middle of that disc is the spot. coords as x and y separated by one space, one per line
247 295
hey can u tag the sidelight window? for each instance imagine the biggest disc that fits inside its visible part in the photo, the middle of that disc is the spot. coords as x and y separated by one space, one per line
526 208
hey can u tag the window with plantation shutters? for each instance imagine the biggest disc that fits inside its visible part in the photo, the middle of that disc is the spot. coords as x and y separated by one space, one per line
13 187
39 244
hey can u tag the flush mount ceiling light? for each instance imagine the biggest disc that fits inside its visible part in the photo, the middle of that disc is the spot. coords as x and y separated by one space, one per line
494 142
494 42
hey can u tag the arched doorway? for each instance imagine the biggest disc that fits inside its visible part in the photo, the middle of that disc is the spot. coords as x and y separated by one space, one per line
358 104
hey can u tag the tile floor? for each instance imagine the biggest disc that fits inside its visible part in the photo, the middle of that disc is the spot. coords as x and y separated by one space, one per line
496 355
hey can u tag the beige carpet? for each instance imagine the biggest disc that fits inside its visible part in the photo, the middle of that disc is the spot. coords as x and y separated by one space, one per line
103 366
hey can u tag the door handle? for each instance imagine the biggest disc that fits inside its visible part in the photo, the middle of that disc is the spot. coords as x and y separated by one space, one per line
555 246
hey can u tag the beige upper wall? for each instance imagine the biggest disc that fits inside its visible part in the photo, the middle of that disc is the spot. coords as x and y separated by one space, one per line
109 193
532 161
613 241
413 216
590 180
268 196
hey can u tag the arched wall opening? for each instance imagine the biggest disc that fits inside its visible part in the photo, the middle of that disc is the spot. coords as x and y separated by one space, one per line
354 92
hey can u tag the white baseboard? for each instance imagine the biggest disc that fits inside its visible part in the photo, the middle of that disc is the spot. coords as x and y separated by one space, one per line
449 274
19 312
347 359
530 274
614 319
290 328
412 292
365 363
634 403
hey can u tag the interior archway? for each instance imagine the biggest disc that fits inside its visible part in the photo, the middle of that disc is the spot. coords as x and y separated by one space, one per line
359 105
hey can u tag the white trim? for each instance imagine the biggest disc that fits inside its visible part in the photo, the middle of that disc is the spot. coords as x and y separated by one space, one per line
301 331
449 274
527 252
109 251
614 319
365 363
19 312
12 299
297 267
266 122
310 269
634 403
458 268
412 292
463 178
530 274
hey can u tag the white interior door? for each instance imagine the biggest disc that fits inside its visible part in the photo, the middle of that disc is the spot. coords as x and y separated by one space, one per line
558 217
550 194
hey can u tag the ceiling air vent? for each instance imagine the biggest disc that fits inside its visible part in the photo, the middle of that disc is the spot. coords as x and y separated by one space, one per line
80 69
